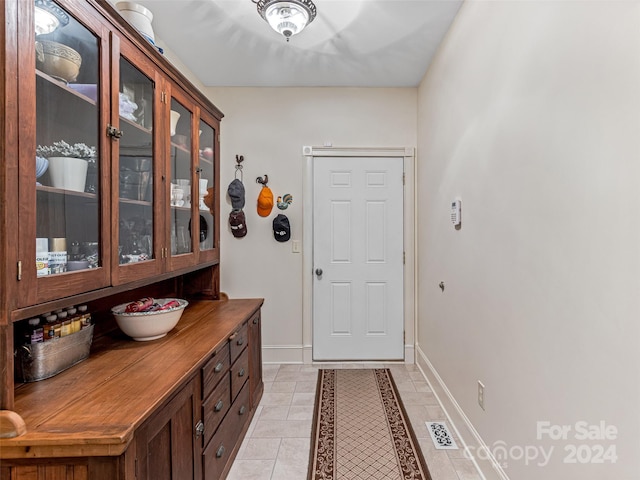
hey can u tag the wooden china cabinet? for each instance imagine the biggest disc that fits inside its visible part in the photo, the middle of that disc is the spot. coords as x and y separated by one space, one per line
107 154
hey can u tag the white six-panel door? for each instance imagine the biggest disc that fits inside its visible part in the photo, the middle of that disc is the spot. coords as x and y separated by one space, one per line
358 259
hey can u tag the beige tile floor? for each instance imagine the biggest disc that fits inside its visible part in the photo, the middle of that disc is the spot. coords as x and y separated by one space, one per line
277 443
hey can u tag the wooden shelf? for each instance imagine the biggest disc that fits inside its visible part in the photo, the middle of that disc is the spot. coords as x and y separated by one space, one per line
141 203
65 86
70 193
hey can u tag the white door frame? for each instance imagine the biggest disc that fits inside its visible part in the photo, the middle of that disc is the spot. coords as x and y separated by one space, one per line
311 154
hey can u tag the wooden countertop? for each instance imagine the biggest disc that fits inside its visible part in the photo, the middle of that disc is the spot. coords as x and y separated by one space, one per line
93 408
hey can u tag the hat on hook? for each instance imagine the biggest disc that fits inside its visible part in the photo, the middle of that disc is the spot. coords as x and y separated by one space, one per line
265 201
236 194
238 223
281 228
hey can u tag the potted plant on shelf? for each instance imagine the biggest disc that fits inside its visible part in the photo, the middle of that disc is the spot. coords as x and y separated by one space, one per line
68 164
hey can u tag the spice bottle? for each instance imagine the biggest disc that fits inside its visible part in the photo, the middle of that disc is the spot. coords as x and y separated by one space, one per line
85 319
35 332
52 327
75 319
65 329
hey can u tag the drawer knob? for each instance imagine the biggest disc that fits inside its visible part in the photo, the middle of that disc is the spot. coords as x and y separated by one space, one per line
233 337
199 429
220 451
218 368
242 410
241 372
255 321
218 406
240 342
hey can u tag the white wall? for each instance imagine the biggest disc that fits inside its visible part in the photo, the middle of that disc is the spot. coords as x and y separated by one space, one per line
531 113
269 126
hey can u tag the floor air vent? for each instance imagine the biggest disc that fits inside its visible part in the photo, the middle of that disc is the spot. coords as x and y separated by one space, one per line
441 437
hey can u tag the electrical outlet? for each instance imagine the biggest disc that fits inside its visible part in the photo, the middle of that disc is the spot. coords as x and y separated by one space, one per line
481 394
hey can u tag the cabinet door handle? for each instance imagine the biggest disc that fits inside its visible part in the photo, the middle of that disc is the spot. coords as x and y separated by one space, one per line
199 429
220 451
255 321
218 368
242 410
240 342
218 406
241 372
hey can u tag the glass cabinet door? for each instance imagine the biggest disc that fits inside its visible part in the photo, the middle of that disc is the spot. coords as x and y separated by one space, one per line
139 248
184 191
135 181
207 236
68 161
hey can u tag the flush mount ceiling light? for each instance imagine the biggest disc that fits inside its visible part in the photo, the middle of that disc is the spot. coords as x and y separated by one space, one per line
289 17
48 17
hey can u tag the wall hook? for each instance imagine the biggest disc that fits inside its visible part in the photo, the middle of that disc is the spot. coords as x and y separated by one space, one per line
264 180
239 160
441 285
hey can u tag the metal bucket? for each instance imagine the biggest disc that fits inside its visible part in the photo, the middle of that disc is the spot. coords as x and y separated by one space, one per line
44 360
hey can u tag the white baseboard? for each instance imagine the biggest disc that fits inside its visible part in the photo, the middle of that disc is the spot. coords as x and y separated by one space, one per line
486 464
409 354
283 354
307 354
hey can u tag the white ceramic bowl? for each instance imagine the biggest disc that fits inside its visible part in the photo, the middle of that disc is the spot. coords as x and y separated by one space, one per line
144 326
58 60
138 16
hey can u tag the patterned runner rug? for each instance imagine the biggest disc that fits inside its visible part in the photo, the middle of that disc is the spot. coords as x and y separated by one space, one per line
361 431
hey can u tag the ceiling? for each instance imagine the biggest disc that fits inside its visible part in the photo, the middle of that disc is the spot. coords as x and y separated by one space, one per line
355 43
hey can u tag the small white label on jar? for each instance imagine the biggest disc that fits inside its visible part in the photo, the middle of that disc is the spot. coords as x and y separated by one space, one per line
57 262
42 264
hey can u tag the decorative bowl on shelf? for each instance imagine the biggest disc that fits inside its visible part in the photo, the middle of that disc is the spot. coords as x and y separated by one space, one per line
138 16
58 60
75 265
41 166
150 325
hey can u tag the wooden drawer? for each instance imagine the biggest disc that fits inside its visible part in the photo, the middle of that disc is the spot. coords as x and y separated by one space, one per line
227 439
238 342
239 373
215 408
215 370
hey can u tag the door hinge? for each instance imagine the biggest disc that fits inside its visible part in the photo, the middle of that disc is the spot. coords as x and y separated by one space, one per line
163 97
19 269
404 258
404 179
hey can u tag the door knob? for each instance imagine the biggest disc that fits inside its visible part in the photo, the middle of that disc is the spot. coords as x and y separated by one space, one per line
318 272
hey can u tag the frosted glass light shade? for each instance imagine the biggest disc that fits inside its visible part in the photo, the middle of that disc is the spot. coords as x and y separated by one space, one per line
288 18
